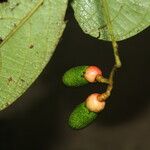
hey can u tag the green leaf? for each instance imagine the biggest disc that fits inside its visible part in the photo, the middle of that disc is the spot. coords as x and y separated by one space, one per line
128 17
29 31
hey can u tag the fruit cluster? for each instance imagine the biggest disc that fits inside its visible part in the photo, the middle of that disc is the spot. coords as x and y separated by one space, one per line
87 111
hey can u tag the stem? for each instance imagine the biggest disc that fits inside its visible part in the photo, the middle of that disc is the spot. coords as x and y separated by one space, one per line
117 64
101 79
116 54
105 95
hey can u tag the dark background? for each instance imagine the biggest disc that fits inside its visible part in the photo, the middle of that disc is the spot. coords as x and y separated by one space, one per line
38 120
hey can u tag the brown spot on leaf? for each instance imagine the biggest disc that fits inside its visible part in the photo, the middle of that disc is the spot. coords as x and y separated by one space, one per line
15 25
22 80
1 40
31 46
42 3
17 4
10 79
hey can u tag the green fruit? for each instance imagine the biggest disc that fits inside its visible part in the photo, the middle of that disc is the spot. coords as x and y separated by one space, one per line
75 76
81 117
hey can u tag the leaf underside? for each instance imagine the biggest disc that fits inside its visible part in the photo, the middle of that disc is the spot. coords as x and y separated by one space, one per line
29 33
128 17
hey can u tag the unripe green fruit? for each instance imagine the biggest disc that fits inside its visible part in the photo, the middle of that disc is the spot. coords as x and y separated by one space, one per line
75 76
81 117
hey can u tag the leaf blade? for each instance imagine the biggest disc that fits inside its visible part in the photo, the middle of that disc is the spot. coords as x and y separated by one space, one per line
128 18
29 49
